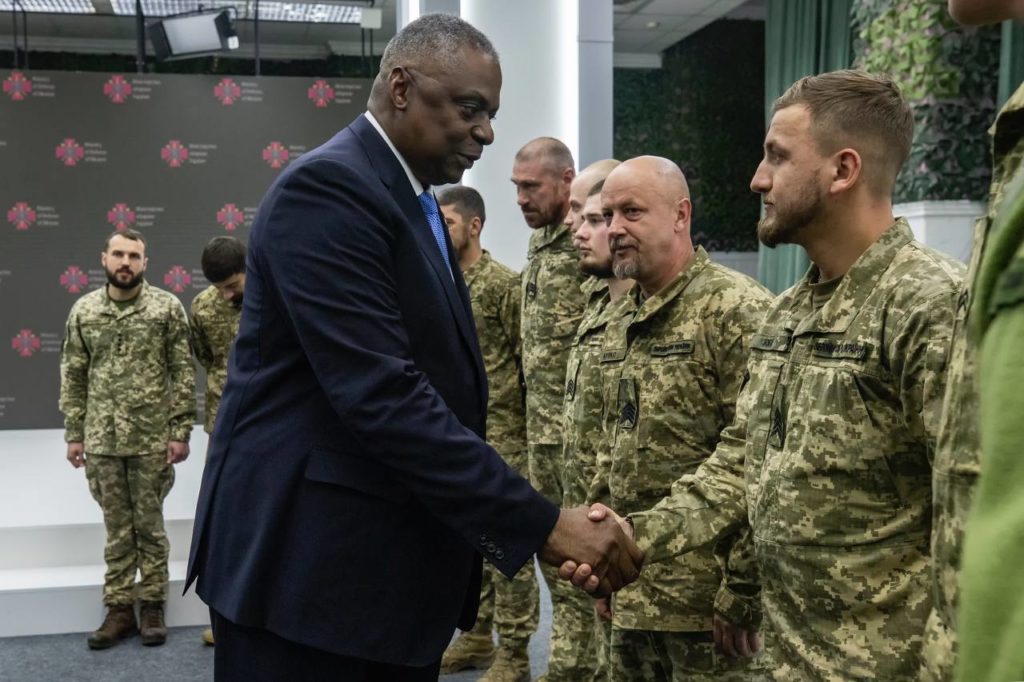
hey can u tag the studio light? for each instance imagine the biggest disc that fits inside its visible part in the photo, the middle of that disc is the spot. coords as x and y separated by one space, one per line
191 35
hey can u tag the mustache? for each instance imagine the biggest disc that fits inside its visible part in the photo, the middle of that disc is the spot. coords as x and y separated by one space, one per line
618 243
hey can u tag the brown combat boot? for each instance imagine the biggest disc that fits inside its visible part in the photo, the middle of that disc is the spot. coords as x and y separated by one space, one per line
118 624
151 623
512 664
470 650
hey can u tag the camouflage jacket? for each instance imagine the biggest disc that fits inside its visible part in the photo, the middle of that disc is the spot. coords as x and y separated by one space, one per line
214 328
127 381
494 295
829 461
677 366
583 410
552 308
957 456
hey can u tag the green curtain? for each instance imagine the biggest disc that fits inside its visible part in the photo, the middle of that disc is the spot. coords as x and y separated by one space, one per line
802 38
1011 61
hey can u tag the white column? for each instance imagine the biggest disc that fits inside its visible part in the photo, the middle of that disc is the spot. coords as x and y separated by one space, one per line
946 226
552 59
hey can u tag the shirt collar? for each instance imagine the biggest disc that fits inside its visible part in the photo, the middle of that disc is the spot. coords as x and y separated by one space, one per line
417 186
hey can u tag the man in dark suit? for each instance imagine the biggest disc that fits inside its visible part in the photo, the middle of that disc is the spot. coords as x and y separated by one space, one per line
348 490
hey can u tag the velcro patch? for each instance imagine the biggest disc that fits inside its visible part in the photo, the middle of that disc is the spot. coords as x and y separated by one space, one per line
773 343
674 348
841 350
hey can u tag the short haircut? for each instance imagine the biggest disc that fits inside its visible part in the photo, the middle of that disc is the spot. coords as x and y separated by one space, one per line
850 107
466 200
222 258
133 235
596 189
438 37
554 152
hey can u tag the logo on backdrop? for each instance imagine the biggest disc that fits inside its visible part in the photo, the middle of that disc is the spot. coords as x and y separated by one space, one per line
17 86
227 91
177 279
275 154
174 154
117 89
320 93
74 280
26 343
69 152
21 215
121 217
230 217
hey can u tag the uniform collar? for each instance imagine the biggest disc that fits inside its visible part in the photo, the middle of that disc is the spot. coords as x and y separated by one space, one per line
474 270
648 308
549 235
845 304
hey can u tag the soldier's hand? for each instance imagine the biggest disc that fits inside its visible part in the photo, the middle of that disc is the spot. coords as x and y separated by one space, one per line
613 558
734 641
603 608
176 451
582 574
76 454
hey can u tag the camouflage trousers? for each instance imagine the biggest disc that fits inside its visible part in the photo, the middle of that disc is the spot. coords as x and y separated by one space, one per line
511 607
131 492
573 654
938 653
646 656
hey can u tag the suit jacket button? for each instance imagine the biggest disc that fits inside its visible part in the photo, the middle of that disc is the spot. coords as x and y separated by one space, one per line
499 555
483 538
491 547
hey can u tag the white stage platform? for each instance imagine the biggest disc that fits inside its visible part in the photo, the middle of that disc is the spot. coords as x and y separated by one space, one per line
52 537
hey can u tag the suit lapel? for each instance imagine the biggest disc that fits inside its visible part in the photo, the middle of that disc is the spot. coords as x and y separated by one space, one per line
393 176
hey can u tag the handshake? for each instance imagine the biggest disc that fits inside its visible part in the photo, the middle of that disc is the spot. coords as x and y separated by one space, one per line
594 549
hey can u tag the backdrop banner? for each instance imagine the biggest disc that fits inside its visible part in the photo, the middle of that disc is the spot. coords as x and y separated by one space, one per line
181 158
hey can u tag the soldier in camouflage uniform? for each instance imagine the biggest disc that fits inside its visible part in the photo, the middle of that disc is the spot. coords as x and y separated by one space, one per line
582 410
552 307
128 397
958 456
675 367
509 606
215 315
828 456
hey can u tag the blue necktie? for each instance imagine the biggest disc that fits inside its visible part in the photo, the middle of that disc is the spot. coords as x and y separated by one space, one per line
429 207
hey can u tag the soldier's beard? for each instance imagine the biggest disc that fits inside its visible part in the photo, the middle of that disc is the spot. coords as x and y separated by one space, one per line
130 284
600 270
789 221
237 302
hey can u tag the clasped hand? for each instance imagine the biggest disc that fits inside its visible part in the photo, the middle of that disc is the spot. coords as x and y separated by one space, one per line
593 549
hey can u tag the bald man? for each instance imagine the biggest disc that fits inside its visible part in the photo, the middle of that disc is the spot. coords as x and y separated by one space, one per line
676 365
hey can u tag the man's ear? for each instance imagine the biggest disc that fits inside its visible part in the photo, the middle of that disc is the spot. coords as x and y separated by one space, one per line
684 209
398 88
475 226
846 168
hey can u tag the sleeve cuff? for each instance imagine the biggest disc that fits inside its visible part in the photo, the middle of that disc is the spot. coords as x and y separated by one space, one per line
738 609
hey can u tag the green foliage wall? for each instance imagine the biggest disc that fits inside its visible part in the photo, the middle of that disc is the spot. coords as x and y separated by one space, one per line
704 109
949 74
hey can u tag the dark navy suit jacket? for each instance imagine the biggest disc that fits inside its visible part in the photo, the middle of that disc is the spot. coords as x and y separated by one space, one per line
348 494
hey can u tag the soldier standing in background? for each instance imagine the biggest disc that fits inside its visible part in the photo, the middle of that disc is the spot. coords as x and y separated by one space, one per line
215 315
828 457
677 365
510 606
552 308
583 414
128 397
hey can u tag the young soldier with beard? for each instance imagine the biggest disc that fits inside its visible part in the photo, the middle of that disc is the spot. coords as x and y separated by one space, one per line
828 458
582 410
215 315
510 606
128 397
